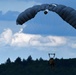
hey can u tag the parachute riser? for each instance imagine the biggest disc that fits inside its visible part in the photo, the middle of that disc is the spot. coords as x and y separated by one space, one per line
53 54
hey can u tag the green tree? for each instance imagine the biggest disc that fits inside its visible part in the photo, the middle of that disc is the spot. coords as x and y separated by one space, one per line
29 58
18 60
8 61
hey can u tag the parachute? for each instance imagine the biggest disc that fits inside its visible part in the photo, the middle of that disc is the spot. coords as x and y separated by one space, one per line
68 14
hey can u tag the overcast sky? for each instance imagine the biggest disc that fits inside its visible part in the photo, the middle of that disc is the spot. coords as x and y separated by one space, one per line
42 35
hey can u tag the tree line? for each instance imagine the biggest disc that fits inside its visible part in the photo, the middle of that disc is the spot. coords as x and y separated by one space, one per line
38 67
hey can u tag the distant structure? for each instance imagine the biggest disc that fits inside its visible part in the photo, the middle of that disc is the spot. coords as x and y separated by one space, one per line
51 59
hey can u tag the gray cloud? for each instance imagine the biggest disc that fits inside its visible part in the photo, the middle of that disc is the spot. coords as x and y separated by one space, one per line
8 16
